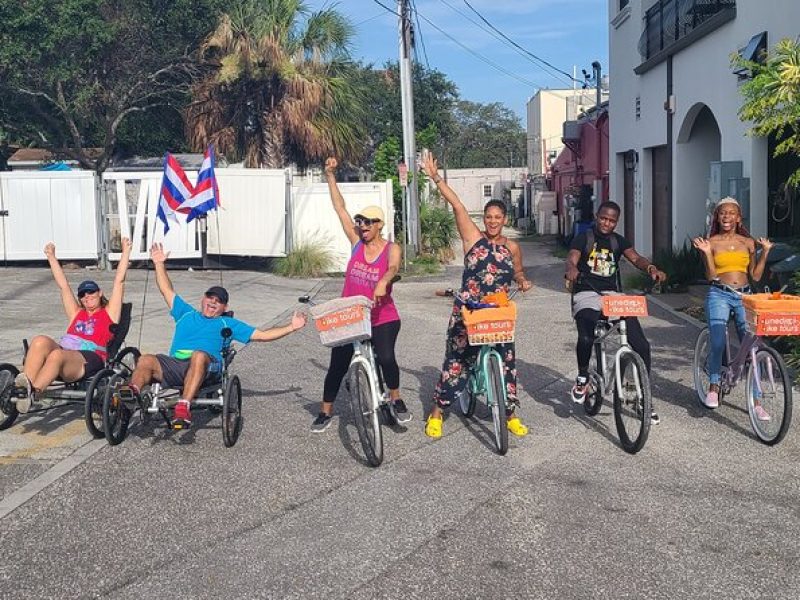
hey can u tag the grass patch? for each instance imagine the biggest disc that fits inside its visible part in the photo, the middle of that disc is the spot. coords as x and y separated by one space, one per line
424 264
308 259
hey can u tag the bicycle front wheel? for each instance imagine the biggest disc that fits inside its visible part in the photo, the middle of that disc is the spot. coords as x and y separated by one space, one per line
497 401
365 412
769 396
632 402
702 348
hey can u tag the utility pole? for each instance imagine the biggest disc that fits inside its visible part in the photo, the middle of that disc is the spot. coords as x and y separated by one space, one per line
597 74
413 232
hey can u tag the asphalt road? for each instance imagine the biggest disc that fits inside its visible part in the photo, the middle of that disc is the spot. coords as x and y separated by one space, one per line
704 511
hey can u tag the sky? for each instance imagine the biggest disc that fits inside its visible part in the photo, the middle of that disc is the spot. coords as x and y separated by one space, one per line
565 33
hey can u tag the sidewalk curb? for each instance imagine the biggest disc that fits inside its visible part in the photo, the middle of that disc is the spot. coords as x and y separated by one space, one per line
691 320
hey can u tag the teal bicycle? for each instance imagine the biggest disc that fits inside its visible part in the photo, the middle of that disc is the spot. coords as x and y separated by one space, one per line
486 374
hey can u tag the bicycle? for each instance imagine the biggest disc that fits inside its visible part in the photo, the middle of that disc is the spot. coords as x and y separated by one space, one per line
767 380
344 321
487 326
623 380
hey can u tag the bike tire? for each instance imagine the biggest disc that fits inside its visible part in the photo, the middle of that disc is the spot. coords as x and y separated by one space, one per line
700 365
365 413
8 408
633 403
777 402
497 400
126 360
467 400
93 404
232 412
116 414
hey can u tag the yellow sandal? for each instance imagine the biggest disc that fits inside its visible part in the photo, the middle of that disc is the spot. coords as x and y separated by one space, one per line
517 427
433 427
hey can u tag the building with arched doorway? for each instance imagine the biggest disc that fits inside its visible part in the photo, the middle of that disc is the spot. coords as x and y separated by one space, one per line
676 141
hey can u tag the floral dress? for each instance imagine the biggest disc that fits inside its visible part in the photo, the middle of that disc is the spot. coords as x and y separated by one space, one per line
488 268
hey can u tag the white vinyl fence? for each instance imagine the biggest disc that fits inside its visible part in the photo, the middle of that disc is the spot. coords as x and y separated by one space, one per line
39 207
262 214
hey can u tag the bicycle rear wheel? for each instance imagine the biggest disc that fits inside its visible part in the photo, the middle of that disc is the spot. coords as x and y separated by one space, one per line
93 405
497 401
593 401
365 413
116 414
768 387
632 403
466 399
702 348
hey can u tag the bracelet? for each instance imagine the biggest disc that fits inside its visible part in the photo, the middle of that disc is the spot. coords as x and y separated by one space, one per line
648 268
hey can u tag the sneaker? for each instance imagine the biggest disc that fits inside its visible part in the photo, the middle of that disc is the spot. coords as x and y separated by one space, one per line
712 400
401 411
24 404
579 389
517 427
182 417
654 418
321 423
761 413
433 427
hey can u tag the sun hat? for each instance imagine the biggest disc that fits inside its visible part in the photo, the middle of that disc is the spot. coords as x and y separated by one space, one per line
372 212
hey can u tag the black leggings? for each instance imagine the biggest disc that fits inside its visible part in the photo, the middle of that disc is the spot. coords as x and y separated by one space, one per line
383 339
586 320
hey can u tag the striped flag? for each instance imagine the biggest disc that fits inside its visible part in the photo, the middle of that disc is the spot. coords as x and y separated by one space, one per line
176 189
206 192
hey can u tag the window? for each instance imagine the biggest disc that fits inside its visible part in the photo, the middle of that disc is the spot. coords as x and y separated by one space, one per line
487 190
623 3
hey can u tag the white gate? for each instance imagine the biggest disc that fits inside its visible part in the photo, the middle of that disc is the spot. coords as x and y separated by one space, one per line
250 222
38 207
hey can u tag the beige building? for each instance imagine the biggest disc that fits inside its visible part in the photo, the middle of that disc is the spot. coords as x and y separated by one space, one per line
476 187
547 110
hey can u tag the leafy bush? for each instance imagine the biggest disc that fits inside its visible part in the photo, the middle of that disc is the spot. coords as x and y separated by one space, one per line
311 258
683 266
438 230
424 264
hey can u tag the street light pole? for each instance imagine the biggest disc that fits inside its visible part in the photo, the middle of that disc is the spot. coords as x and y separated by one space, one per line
409 144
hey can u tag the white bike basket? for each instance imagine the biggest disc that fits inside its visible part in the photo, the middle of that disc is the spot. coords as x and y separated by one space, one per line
342 321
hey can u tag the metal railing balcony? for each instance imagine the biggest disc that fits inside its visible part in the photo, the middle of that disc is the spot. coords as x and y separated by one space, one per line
668 22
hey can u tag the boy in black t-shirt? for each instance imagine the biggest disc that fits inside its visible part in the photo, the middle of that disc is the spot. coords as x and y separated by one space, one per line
595 254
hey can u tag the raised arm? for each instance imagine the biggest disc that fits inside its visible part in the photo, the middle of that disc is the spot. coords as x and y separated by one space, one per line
338 202
267 335
519 269
757 267
114 307
159 258
467 229
68 299
703 245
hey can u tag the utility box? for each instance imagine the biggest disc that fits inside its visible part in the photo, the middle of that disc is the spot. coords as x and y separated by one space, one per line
720 174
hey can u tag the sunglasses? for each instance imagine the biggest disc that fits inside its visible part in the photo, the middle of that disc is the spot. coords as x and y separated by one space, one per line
361 221
82 294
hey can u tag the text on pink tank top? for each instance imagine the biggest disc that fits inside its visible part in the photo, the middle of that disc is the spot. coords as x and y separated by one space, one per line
361 278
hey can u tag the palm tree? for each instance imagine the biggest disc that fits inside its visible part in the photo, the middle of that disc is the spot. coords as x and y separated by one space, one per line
277 88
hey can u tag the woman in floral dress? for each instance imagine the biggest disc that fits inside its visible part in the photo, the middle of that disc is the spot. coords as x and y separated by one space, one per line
491 263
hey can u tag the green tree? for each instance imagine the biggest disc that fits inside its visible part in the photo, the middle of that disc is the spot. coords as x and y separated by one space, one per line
73 71
278 86
772 98
486 135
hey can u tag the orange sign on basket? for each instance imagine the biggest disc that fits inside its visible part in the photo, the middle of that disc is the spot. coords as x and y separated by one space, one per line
772 324
340 318
624 306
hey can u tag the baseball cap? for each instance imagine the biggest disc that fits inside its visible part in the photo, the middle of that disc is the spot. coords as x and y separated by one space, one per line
727 200
87 287
372 212
219 292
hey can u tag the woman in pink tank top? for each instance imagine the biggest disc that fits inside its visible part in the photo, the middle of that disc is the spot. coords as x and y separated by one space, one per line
373 263
81 352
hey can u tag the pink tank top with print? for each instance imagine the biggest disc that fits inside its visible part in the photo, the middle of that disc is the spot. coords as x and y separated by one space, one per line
361 278
94 328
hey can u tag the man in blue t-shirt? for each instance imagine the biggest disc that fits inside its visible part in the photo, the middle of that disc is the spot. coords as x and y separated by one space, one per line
196 349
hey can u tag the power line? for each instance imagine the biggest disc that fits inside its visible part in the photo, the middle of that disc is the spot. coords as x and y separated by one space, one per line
380 14
491 63
419 31
531 54
394 12
499 38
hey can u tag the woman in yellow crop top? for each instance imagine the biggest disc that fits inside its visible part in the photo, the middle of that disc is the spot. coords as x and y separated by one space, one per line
729 257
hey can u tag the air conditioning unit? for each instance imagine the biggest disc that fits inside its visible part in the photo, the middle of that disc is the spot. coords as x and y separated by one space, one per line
572 131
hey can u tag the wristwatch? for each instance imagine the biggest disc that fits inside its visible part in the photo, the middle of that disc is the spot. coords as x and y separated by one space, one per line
437 179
